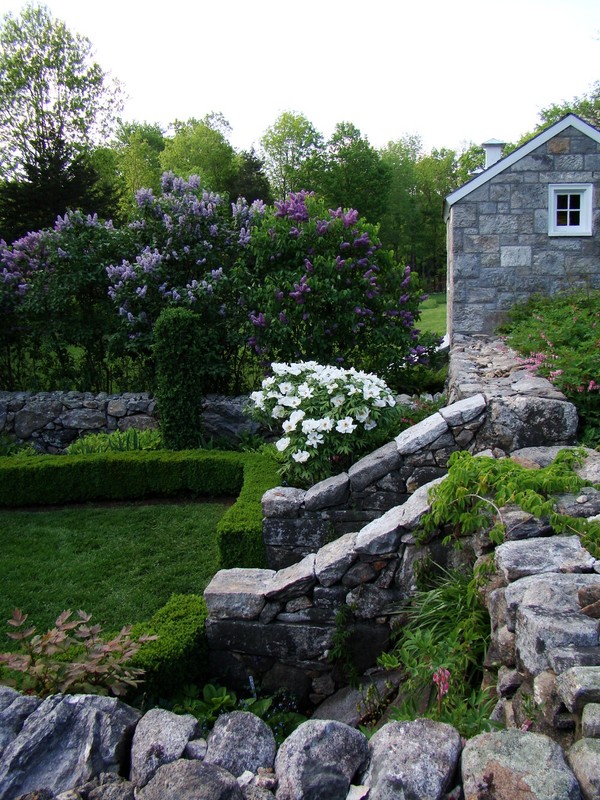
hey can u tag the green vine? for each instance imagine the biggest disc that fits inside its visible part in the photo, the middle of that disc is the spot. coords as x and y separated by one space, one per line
476 488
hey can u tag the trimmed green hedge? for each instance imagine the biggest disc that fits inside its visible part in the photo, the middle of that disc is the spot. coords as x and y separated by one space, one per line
51 480
247 550
180 653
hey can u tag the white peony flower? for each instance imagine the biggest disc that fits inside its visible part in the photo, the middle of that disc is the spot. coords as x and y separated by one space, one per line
258 398
296 416
314 439
305 391
345 425
370 425
278 412
301 456
286 387
337 400
310 425
282 443
362 415
325 424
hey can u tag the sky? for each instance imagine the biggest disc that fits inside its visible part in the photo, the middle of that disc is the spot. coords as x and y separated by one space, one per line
451 71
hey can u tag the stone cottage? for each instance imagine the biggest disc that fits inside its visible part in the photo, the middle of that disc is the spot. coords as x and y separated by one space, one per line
528 223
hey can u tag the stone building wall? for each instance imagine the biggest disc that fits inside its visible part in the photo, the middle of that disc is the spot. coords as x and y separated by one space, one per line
499 250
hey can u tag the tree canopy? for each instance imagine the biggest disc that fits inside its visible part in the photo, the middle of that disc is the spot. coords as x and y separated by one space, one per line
50 91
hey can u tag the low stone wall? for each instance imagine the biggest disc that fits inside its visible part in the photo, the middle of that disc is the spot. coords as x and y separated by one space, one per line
52 420
83 747
279 626
495 404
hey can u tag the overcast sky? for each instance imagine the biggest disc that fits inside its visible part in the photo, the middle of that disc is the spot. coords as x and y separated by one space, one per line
451 72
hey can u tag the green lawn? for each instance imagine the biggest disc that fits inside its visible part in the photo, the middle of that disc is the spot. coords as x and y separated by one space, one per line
118 564
433 314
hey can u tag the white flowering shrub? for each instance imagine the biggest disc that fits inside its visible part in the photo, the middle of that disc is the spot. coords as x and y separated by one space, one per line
326 415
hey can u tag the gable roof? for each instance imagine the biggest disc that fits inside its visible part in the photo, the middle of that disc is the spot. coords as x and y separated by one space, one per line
570 120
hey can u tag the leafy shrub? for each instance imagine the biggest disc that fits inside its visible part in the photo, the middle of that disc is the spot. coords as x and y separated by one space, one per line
476 488
327 414
56 319
560 337
186 241
316 284
441 650
180 382
72 657
118 441
9 447
278 711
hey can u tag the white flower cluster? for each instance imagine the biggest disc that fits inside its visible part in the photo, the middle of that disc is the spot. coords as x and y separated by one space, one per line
313 400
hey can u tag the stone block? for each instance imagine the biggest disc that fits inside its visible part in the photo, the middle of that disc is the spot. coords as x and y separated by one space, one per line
237 593
84 419
584 759
293 581
334 559
421 435
536 556
515 256
578 686
590 721
516 764
294 643
464 411
556 591
383 535
330 492
282 502
540 630
373 467
306 532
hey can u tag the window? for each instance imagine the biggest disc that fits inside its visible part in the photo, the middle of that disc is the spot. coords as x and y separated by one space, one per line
570 209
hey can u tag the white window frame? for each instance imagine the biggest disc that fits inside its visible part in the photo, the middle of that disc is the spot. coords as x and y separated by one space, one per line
585 191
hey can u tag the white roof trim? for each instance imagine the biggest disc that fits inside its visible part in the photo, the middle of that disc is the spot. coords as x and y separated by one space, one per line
571 120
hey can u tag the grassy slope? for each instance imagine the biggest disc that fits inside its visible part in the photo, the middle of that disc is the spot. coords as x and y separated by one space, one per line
433 314
119 564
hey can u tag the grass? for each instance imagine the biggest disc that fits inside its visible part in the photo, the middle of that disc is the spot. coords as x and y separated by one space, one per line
433 314
118 564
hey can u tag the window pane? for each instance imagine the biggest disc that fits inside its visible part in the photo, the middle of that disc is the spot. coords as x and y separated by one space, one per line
575 201
561 218
562 200
573 217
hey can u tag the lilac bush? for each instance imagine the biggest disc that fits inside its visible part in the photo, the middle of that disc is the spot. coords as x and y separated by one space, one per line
317 285
186 240
54 303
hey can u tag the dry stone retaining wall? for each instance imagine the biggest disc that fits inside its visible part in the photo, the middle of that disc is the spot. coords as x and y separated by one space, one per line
348 541
52 420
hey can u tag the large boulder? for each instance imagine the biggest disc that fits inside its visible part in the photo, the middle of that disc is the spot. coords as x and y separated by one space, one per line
160 737
191 780
516 765
318 760
241 742
66 741
412 759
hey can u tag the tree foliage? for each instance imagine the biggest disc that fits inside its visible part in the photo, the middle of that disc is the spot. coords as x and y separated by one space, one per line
198 148
51 92
54 104
292 149
354 174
